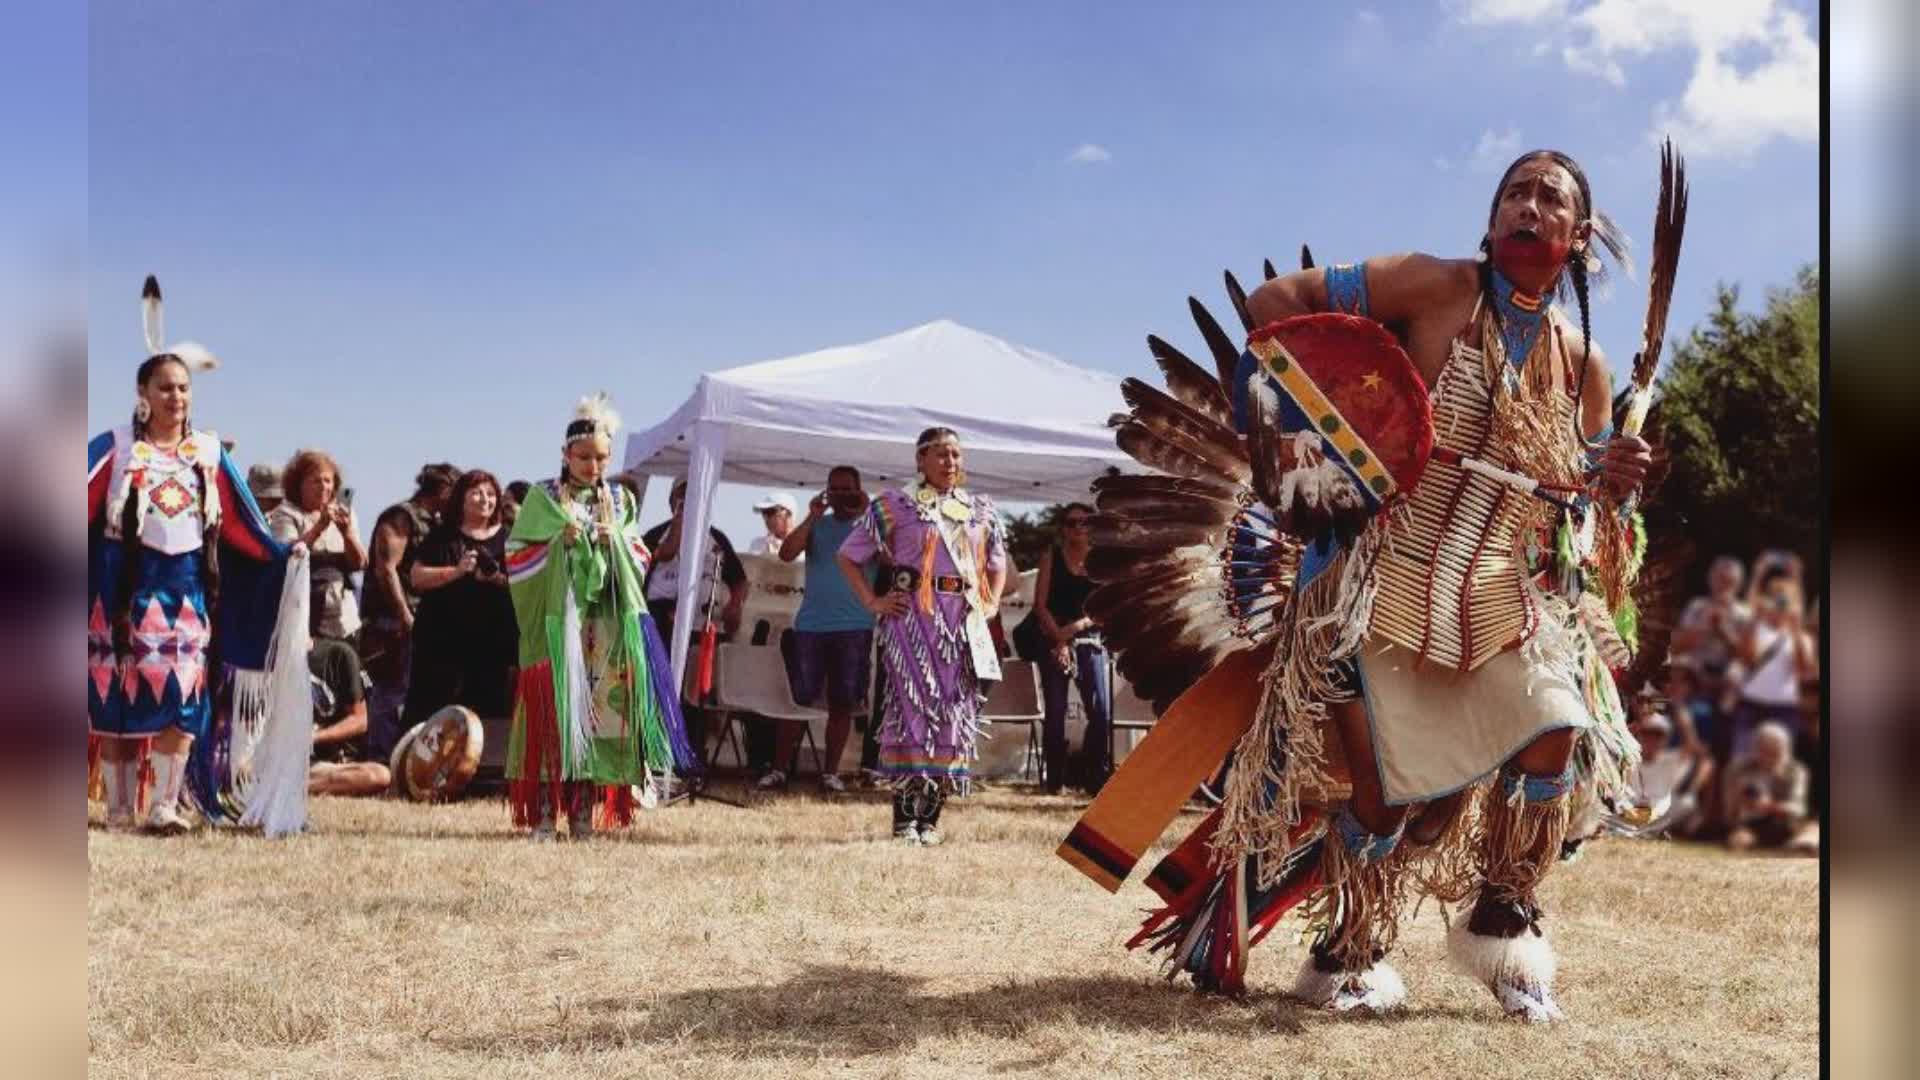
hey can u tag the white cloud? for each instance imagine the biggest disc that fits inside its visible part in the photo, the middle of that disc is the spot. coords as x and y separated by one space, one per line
1494 150
1756 65
1089 154
1584 61
1494 11
1368 17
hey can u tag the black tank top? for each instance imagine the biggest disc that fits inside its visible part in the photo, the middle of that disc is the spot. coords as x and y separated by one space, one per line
1067 591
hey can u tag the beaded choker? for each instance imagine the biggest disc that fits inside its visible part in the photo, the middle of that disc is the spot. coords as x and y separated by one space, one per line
1521 318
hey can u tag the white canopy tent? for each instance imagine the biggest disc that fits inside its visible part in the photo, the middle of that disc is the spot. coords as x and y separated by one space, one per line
1034 427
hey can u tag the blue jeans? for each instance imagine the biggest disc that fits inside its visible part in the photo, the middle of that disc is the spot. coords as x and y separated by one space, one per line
1096 697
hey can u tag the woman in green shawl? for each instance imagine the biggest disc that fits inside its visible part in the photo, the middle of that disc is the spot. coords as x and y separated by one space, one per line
596 706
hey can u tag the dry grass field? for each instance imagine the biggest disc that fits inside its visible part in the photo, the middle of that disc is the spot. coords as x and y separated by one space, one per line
795 939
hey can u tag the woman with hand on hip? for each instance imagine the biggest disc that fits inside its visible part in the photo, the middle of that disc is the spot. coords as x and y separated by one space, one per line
946 549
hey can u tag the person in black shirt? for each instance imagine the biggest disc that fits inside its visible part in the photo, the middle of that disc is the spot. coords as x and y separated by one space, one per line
1071 649
466 641
388 601
663 594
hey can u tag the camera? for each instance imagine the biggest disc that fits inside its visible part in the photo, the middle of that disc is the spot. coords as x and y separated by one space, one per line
484 564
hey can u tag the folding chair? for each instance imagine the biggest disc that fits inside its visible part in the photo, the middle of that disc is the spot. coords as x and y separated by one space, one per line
1130 713
1015 699
753 680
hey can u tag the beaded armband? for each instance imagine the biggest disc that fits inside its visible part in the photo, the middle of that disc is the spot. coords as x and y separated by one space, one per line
1347 289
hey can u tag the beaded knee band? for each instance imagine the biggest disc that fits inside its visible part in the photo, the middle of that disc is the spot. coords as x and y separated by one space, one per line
1535 789
1361 843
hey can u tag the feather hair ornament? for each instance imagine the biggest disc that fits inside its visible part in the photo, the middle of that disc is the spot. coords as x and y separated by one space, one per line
597 411
153 325
196 356
152 320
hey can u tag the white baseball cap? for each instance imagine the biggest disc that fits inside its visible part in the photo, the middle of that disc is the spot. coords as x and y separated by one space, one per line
774 500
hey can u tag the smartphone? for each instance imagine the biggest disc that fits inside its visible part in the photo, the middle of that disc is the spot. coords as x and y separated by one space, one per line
346 498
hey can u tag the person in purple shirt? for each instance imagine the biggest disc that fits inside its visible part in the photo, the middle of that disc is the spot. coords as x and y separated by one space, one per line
944 561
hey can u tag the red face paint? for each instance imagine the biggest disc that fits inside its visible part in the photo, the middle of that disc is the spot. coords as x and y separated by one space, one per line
1529 256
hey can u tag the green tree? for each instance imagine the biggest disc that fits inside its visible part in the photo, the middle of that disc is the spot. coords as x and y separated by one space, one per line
1740 411
1030 535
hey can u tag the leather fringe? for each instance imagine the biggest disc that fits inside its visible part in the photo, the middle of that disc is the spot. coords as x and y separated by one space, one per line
1520 841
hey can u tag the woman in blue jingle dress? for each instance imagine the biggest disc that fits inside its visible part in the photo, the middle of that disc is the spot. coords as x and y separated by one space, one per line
186 585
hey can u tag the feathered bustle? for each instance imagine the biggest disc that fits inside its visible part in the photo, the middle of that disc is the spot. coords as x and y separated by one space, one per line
1239 297
1226 355
1190 383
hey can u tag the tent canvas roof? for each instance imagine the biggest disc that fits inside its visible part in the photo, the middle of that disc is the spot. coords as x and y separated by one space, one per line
1033 424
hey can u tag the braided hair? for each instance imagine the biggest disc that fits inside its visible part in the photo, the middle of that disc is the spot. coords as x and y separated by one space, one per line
1576 280
130 545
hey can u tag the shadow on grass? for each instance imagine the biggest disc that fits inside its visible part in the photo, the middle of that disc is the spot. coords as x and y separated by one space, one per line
840 1011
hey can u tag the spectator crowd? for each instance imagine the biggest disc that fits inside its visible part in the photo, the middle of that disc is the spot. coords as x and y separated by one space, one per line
416 616
1731 753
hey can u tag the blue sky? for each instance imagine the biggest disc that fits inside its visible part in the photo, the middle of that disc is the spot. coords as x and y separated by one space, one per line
421 230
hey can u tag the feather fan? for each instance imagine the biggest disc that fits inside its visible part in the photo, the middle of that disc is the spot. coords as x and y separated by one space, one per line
1669 227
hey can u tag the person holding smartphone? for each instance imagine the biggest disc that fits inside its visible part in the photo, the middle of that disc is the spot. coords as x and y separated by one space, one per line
465 638
314 515
832 632
1778 654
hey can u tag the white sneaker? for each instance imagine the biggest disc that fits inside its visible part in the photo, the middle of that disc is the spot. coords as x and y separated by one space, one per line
163 814
908 834
774 780
831 782
930 835
165 820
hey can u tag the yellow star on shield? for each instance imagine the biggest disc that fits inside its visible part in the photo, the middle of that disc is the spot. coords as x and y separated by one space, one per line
1370 382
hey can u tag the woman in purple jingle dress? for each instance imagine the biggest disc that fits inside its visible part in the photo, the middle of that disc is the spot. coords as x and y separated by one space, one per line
944 554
